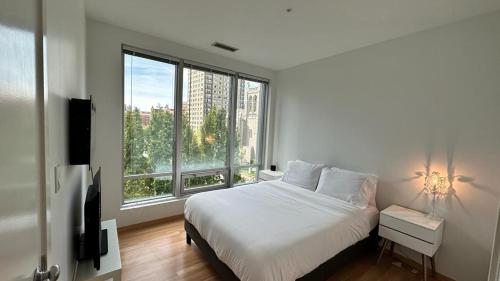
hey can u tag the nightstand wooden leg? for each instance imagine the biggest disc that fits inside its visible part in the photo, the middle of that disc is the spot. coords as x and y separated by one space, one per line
433 266
424 266
382 250
392 248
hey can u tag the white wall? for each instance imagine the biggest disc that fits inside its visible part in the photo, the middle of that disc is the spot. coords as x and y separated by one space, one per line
424 102
104 81
65 62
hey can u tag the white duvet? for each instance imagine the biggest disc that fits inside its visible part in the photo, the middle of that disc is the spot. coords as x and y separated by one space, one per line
273 230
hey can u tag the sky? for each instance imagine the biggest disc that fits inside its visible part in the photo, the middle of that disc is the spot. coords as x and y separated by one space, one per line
148 83
151 82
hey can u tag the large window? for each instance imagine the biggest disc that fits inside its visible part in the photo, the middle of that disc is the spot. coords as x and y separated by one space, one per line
187 127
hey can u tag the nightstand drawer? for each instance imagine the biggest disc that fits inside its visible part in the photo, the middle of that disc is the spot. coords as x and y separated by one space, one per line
417 231
408 241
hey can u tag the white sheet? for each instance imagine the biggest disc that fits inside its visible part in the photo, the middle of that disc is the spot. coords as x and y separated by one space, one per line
273 230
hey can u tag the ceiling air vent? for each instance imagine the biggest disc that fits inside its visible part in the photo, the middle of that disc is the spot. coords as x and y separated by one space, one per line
224 47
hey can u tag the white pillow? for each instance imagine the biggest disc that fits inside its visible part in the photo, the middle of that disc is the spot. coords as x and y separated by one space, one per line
356 188
302 174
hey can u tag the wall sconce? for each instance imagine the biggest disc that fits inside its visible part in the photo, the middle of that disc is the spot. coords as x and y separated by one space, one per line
435 185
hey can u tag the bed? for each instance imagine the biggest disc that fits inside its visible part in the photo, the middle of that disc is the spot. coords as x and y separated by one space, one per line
277 231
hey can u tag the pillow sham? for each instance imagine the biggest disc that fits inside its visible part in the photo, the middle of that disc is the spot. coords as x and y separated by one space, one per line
302 174
356 188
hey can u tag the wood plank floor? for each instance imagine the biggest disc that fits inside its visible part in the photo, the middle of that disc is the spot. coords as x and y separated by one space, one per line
159 252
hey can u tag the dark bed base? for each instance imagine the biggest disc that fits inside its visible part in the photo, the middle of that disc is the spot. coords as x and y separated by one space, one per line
322 272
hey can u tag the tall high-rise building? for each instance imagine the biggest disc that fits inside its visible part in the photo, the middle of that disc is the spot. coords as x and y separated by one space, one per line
205 90
241 91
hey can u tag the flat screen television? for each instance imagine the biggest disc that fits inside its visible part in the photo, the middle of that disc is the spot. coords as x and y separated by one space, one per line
94 241
80 126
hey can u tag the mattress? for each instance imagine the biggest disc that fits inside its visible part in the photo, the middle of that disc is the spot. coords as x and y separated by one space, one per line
276 231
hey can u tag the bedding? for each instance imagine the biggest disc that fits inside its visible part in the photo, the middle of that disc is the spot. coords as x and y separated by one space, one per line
302 174
275 231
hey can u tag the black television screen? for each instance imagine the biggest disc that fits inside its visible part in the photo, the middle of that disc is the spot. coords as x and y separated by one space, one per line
95 240
80 125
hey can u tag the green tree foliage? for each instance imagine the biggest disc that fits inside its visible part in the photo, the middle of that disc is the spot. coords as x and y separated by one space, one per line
160 139
134 159
221 136
191 151
214 138
149 148
211 148
147 187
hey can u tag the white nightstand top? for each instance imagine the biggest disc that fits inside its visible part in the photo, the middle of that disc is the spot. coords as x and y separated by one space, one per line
412 216
272 173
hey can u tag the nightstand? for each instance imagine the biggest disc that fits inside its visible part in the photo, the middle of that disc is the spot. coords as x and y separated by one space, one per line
412 229
267 175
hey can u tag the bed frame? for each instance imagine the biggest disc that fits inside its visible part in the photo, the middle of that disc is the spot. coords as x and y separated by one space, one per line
322 272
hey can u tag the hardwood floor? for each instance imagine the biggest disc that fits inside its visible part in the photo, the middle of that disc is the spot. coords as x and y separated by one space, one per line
159 252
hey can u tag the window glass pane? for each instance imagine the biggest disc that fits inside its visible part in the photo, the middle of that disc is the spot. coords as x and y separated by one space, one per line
205 104
148 123
245 175
149 88
248 114
144 188
204 181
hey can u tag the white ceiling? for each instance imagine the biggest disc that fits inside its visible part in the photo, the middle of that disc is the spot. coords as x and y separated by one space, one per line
268 36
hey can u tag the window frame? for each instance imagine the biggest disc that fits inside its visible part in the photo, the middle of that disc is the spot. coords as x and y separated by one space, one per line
201 173
178 176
